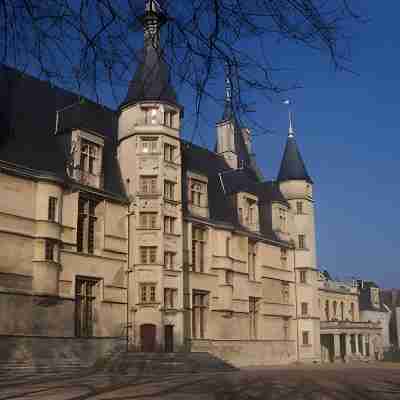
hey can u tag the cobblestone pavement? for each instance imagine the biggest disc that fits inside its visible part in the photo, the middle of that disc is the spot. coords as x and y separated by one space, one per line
343 382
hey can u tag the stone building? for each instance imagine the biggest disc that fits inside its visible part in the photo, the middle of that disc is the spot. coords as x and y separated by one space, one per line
114 229
345 334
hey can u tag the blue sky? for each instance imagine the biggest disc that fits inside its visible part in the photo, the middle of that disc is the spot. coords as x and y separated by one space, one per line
348 131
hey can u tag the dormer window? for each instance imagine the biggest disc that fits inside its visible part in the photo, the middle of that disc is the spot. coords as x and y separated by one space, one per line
85 165
197 194
375 297
282 220
89 156
248 210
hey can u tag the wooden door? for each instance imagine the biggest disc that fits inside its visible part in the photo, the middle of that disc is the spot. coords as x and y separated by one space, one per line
148 338
169 338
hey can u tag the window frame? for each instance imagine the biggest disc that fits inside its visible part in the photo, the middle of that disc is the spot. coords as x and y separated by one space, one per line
148 255
52 214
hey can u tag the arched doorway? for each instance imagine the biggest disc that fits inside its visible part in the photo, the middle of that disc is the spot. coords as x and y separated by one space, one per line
148 338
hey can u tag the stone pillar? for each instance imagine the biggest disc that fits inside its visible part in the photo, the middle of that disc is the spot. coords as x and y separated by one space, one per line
336 346
361 344
356 343
348 347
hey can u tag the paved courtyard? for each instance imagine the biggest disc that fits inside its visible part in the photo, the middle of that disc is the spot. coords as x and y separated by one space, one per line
363 382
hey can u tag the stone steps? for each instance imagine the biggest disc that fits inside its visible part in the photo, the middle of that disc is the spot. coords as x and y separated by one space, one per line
132 363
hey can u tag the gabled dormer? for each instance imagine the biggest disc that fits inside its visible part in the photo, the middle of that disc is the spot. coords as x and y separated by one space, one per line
86 158
248 212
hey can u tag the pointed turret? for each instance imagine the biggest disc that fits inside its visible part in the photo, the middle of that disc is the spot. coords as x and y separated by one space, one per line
233 141
151 81
292 165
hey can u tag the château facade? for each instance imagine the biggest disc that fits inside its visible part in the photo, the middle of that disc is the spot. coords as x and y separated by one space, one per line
112 226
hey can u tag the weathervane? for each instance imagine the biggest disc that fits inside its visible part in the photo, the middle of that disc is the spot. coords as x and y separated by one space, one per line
291 129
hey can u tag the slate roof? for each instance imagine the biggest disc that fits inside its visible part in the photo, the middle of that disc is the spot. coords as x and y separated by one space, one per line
28 124
292 165
221 196
151 81
29 139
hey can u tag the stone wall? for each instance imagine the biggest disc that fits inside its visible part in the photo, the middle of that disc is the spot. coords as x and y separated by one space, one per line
26 314
242 353
31 350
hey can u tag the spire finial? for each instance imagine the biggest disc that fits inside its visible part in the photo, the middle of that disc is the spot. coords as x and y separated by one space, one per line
152 20
228 112
291 129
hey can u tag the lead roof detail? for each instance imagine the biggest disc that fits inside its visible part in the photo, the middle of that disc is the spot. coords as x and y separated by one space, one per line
292 165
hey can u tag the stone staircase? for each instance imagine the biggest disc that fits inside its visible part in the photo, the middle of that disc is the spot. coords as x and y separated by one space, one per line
44 366
134 363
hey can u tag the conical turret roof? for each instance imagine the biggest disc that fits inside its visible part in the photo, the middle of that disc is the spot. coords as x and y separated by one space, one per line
292 165
151 82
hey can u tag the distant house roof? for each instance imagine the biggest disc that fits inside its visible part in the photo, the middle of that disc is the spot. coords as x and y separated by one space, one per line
365 301
292 164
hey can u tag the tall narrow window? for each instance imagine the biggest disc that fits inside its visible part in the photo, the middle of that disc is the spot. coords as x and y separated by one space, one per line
283 257
198 192
251 261
52 209
169 224
148 254
150 116
147 293
304 309
253 317
198 244
89 155
169 260
169 298
169 153
148 220
49 250
85 293
169 118
299 207
228 247
342 310
86 225
199 307
302 241
169 190
303 276
148 184
306 338
352 311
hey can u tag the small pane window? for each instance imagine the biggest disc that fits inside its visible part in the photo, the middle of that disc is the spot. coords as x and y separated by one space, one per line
149 145
148 293
49 250
169 190
302 242
306 338
52 211
299 207
148 254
